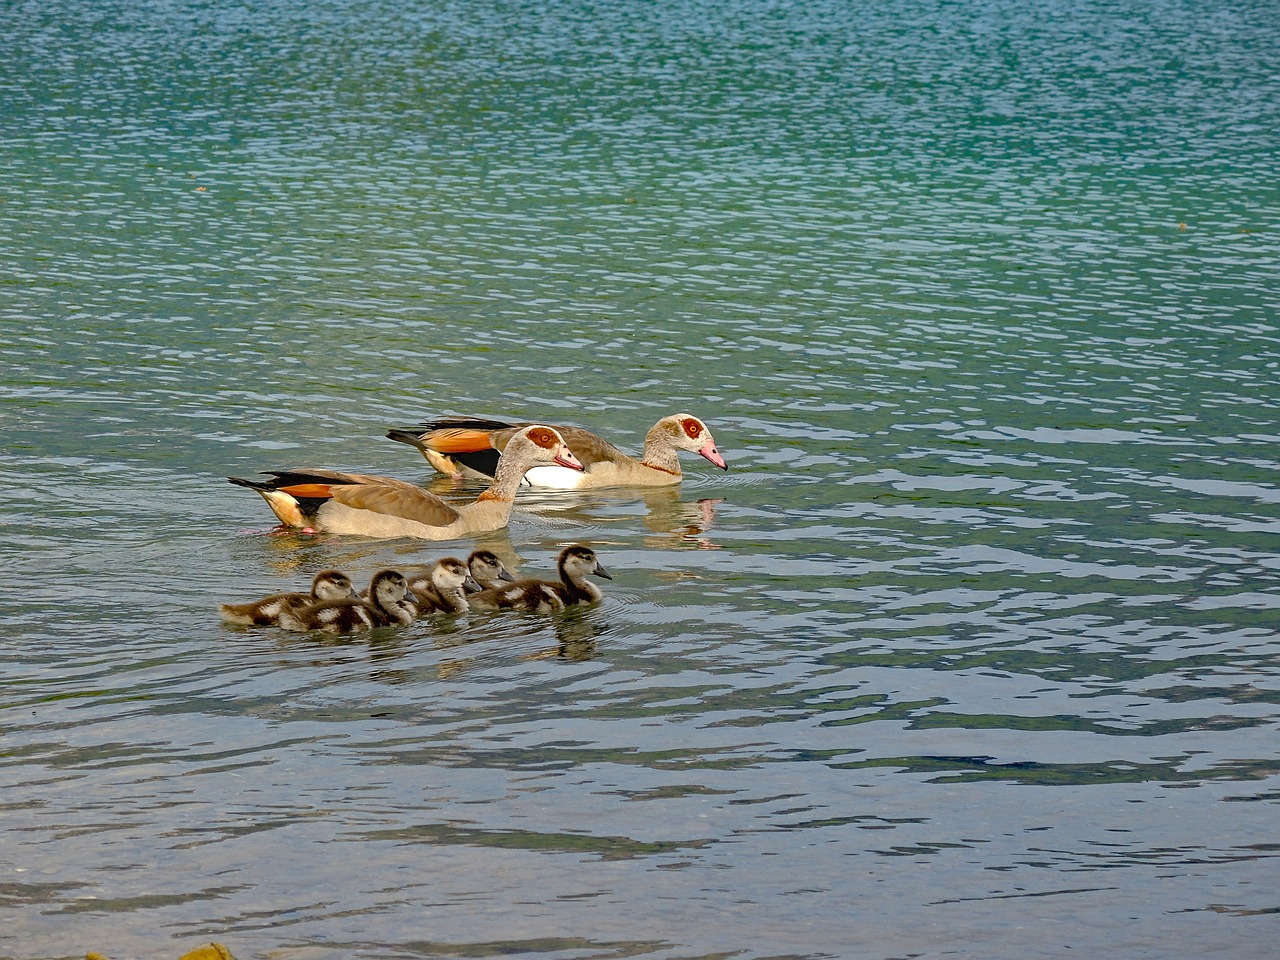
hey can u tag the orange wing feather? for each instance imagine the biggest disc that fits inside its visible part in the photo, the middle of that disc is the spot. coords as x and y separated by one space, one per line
459 440
310 491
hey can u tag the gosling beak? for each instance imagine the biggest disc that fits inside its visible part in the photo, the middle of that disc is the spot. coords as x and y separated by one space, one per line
711 453
506 575
600 571
470 585
564 457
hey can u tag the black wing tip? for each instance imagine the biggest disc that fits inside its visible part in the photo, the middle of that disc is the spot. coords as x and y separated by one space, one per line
409 435
286 478
465 423
481 461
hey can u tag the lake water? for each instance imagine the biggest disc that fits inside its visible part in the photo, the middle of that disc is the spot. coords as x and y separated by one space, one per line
975 651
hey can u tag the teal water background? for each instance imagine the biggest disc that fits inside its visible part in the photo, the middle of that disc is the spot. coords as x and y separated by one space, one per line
974 651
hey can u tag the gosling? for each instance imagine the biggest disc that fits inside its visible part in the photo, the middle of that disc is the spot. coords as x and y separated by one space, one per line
487 570
327 585
443 589
387 604
575 564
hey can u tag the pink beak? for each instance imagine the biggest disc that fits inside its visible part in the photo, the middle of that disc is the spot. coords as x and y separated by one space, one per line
564 457
711 453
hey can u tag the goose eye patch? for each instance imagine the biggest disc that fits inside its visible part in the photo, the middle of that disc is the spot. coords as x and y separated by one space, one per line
543 438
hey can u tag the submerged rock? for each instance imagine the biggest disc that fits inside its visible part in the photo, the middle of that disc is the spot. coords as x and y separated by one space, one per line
210 951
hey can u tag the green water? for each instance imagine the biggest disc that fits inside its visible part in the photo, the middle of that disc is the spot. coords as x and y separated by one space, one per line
973 651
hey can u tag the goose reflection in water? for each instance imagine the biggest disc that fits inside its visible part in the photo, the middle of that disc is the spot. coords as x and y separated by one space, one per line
683 523
667 514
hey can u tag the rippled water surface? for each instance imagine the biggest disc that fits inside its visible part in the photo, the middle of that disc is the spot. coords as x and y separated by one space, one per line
973 652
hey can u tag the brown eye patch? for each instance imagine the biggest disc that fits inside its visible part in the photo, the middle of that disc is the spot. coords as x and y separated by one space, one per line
543 437
692 427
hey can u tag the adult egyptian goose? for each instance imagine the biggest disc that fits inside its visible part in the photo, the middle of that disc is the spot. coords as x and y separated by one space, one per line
575 564
385 507
443 588
326 585
386 603
458 445
487 569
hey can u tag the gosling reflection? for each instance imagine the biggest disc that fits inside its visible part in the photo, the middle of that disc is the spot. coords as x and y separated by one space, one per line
577 635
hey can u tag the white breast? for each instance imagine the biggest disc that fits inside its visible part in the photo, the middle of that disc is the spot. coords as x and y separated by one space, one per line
556 478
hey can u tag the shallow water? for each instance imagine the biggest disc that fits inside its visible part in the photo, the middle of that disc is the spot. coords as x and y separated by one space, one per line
974 649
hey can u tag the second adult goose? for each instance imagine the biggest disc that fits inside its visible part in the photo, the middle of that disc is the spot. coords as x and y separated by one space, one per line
385 507
455 445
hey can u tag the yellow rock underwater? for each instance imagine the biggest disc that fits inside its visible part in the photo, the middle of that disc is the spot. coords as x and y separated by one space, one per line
210 951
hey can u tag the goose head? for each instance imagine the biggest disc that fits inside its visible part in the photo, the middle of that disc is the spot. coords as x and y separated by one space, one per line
332 585
451 575
388 588
687 432
578 562
486 569
540 444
